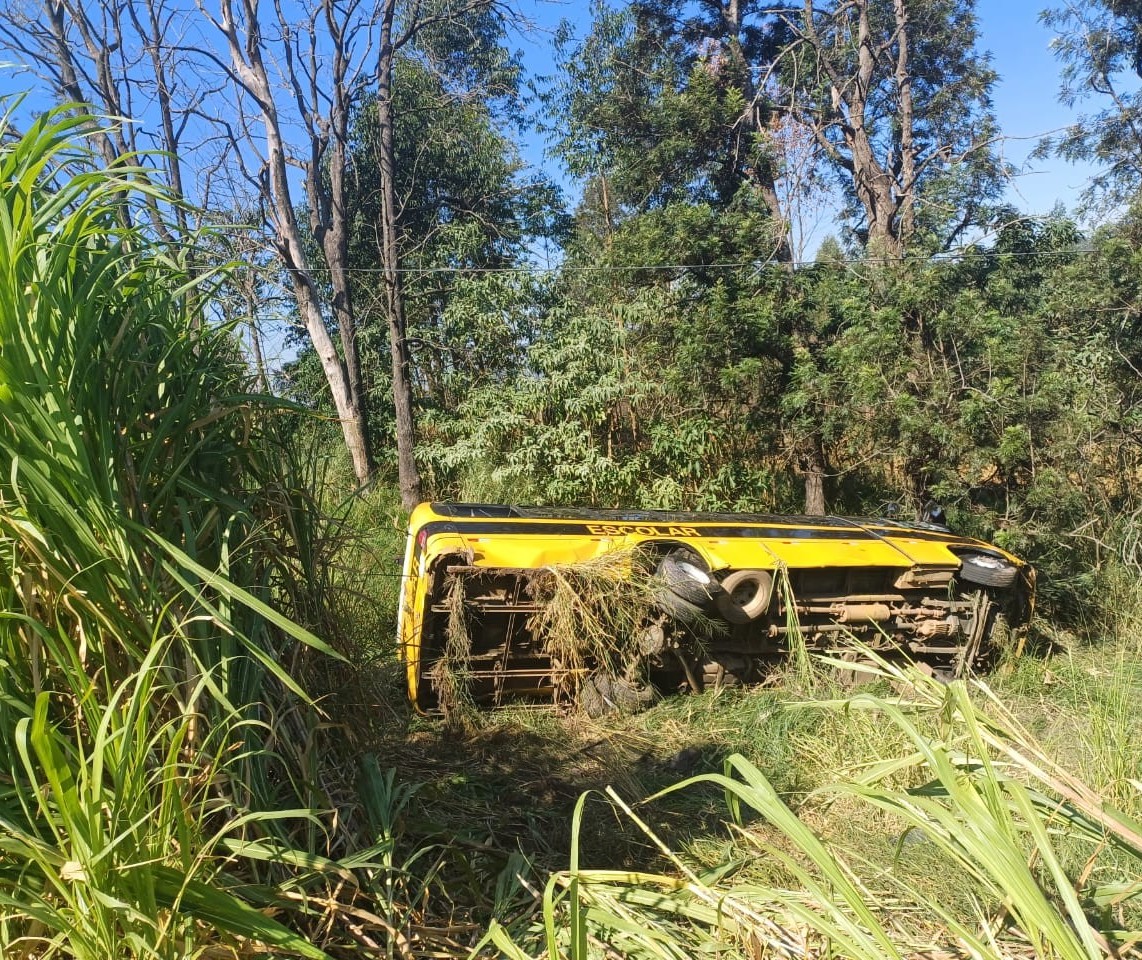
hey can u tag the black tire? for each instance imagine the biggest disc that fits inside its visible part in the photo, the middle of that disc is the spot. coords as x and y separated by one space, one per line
590 700
745 595
987 571
685 575
601 695
683 611
725 670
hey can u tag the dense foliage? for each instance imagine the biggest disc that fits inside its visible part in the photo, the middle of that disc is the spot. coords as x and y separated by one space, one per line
676 359
985 381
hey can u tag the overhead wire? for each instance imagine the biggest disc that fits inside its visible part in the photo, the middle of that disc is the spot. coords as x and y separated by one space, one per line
537 269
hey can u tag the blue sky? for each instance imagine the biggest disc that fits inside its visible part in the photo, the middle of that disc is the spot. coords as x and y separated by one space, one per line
1026 101
1025 96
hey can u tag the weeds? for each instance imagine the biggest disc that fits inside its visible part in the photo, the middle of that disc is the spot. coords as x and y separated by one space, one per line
592 614
1042 863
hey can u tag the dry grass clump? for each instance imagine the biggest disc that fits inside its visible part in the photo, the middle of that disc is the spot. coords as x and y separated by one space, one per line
592 613
800 669
450 673
603 618
592 616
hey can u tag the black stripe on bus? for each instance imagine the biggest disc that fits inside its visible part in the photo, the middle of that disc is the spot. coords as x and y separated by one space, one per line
537 528
571 520
908 533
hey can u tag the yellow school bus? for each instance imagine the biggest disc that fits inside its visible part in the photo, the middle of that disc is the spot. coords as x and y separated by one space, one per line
730 596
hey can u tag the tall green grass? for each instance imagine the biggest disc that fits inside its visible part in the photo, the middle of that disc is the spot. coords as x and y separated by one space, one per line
1019 857
150 530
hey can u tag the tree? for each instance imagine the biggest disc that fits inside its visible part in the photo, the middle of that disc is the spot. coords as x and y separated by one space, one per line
392 40
132 59
120 60
1099 43
468 215
278 97
711 100
687 198
468 212
662 106
322 75
898 99
464 208
595 418
696 122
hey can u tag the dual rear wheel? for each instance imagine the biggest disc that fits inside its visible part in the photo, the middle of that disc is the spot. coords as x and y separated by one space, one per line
688 590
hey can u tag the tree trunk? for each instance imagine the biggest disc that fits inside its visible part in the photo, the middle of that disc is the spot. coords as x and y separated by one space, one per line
408 474
250 69
907 199
334 234
259 354
352 424
875 191
874 184
815 468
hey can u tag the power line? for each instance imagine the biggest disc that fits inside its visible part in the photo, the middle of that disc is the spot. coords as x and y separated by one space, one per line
536 269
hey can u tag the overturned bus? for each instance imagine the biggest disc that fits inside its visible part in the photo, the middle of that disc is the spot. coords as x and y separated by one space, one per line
699 599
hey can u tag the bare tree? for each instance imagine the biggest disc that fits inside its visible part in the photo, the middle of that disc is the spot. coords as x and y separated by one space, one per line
897 98
326 63
132 60
278 86
119 61
318 65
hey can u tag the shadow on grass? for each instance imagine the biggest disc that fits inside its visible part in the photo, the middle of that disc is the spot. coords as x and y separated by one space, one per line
506 782
508 779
